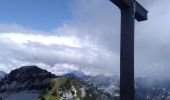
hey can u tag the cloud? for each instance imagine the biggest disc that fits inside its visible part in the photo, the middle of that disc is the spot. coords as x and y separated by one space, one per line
90 42
45 40
152 41
101 22
23 49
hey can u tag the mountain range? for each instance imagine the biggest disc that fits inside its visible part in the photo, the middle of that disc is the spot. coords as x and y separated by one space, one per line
34 83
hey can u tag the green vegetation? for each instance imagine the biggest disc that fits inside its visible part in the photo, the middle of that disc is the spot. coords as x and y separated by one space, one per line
60 84
59 87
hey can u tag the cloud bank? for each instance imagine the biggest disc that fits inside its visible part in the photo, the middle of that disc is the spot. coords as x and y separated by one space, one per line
90 41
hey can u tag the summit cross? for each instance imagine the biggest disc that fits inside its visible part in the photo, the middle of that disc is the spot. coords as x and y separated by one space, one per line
130 10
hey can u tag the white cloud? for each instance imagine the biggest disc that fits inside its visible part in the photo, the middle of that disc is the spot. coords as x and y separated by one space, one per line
90 42
57 54
46 40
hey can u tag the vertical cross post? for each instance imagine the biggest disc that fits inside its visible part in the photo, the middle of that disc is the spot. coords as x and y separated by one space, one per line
130 10
127 91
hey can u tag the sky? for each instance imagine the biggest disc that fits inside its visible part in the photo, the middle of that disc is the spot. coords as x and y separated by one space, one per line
37 14
81 35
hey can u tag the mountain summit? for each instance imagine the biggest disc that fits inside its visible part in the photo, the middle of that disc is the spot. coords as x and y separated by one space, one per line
26 77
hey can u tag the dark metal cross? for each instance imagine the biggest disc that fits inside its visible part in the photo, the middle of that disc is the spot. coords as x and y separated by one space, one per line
130 10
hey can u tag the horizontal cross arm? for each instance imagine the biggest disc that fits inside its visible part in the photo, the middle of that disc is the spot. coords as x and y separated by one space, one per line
140 12
122 4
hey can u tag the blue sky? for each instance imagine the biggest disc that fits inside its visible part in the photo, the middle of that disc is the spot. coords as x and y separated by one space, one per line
37 14
57 35
67 35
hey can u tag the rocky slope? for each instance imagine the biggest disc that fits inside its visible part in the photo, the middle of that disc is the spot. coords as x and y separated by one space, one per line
146 88
70 89
33 83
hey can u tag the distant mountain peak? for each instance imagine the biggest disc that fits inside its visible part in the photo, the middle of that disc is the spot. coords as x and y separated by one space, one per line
75 74
78 73
2 74
29 66
26 77
27 70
